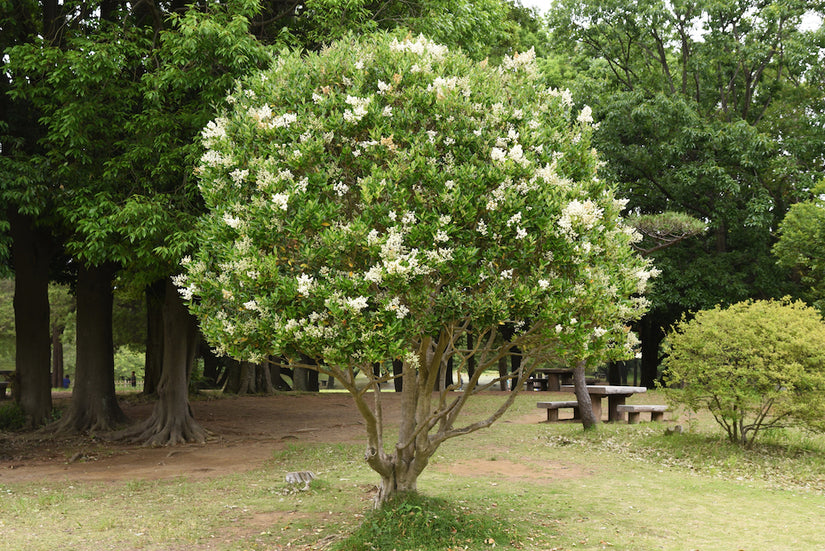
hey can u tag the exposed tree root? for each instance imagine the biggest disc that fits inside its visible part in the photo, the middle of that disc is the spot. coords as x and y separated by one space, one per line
165 430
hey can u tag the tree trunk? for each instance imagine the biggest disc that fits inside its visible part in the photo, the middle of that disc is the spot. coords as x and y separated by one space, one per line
57 356
651 335
502 372
277 372
589 420
515 366
153 363
94 404
31 251
305 379
397 371
232 376
211 363
171 421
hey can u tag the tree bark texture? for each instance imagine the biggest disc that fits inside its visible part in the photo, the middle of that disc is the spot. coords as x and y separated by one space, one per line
589 420
31 252
172 421
57 356
94 404
153 363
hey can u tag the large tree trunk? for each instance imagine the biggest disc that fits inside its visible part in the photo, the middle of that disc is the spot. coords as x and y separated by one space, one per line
305 379
255 379
94 402
589 420
153 363
31 250
171 421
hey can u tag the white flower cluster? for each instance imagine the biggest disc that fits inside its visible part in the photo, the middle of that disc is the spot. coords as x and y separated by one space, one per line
642 276
441 86
215 159
359 108
586 115
515 154
420 46
315 326
263 116
215 130
400 310
340 188
304 284
396 259
231 221
578 215
525 60
565 95
186 291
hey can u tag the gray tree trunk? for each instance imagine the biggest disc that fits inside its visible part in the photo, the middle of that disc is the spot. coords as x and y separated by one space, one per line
171 421
589 420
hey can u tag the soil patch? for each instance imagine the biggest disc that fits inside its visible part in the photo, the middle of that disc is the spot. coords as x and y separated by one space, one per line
247 431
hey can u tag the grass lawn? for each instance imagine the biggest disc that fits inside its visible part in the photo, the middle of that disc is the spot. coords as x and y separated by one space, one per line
542 486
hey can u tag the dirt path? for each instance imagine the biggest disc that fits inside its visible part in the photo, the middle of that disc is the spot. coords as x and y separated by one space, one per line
247 431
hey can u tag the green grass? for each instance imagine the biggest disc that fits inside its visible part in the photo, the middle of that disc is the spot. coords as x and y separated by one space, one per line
533 486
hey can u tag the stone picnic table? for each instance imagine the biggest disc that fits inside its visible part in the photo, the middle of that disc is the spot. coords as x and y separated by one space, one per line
549 378
616 396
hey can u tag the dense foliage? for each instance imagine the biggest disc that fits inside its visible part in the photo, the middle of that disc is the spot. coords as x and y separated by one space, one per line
801 245
386 198
754 365
712 109
364 197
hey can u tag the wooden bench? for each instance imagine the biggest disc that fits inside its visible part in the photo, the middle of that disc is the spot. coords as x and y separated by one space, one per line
657 413
553 408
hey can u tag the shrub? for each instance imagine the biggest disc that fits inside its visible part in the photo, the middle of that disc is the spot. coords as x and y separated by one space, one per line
413 521
754 365
12 417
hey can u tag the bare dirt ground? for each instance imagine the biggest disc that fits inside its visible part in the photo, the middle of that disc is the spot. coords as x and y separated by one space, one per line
246 431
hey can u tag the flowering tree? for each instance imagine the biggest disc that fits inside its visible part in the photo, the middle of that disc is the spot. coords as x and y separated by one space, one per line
386 199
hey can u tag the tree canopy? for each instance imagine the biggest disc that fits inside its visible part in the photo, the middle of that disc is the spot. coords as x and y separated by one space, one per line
386 197
707 109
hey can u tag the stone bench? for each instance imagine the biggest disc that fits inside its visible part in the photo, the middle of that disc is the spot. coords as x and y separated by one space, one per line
553 408
657 413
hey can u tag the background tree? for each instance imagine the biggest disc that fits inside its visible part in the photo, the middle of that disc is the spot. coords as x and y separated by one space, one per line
28 196
801 246
754 365
699 105
384 199
105 106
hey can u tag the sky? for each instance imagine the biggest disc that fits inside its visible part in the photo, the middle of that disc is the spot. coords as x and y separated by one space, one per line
542 5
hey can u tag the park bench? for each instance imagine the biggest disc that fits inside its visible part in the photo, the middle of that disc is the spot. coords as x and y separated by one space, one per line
554 407
657 413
